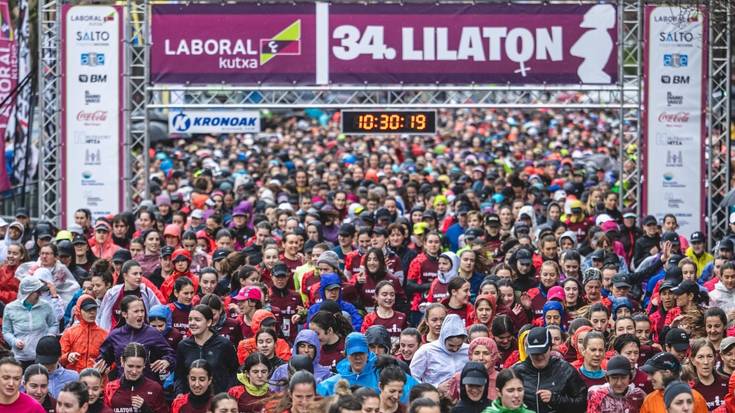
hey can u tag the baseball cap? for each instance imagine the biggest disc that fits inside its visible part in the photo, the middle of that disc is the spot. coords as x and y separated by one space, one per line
102 226
66 249
662 361
538 341
89 304
492 220
621 281
618 366
79 240
629 213
167 251
671 237
220 255
725 244
347 230
697 237
21 213
678 339
356 343
280 270
726 344
48 350
249 293
524 256
667 285
649 220
121 255
686 287
474 378
197 213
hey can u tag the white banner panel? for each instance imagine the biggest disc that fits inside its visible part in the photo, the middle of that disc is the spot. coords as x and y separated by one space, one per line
184 121
92 156
674 115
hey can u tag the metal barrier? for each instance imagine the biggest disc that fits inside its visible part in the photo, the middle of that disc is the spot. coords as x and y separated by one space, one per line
12 199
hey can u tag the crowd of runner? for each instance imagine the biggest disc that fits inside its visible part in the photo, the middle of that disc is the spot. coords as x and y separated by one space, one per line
489 268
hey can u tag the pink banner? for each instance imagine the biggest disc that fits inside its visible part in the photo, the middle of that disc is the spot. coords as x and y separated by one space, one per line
8 82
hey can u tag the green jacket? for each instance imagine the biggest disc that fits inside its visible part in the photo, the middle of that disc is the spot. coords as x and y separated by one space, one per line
497 407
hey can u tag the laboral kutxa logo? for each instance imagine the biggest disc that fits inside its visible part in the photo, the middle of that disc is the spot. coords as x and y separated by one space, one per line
286 42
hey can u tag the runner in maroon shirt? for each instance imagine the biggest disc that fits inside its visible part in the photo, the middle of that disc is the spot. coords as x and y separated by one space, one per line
423 269
375 271
290 256
702 364
288 301
393 321
332 328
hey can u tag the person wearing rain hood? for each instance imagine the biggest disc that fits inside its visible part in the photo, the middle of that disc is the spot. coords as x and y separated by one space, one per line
262 319
306 344
360 368
160 318
330 288
438 361
27 319
80 344
448 267
13 236
48 268
473 390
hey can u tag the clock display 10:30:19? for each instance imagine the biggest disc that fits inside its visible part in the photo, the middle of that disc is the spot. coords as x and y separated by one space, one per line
391 121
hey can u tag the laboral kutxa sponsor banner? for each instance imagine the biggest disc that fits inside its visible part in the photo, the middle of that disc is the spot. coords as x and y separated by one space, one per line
233 43
675 80
322 43
92 154
185 121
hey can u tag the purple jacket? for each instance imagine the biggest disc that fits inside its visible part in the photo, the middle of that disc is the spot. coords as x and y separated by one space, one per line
158 348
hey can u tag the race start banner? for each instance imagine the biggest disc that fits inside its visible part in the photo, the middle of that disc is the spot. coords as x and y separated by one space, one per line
92 128
674 136
8 82
387 44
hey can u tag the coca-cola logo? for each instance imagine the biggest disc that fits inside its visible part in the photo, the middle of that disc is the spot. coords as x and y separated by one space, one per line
674 117
94 116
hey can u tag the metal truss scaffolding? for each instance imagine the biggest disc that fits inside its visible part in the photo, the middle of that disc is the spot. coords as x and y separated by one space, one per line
143 100
718 165
49 82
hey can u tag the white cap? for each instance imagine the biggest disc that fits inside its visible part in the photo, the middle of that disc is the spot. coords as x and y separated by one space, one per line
602 218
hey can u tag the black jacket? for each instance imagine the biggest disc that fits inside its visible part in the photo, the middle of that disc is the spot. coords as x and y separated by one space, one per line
220 355
568 391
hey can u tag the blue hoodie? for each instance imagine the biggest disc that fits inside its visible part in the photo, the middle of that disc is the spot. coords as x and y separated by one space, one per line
368 378
320 372
162 311
329 279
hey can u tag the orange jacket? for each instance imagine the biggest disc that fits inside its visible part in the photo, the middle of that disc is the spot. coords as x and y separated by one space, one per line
8 284
654 403
84 338
248 346
167 288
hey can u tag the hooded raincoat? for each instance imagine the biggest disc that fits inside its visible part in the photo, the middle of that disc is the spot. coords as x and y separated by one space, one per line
329 279
438 290
248 346
433 363
320 372
112 298
467 405
84 338
367 378
28 322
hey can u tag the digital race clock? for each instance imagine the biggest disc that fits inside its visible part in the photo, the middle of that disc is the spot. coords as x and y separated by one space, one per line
360 122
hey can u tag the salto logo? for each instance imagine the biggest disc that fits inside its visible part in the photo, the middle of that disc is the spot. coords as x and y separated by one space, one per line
181 122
